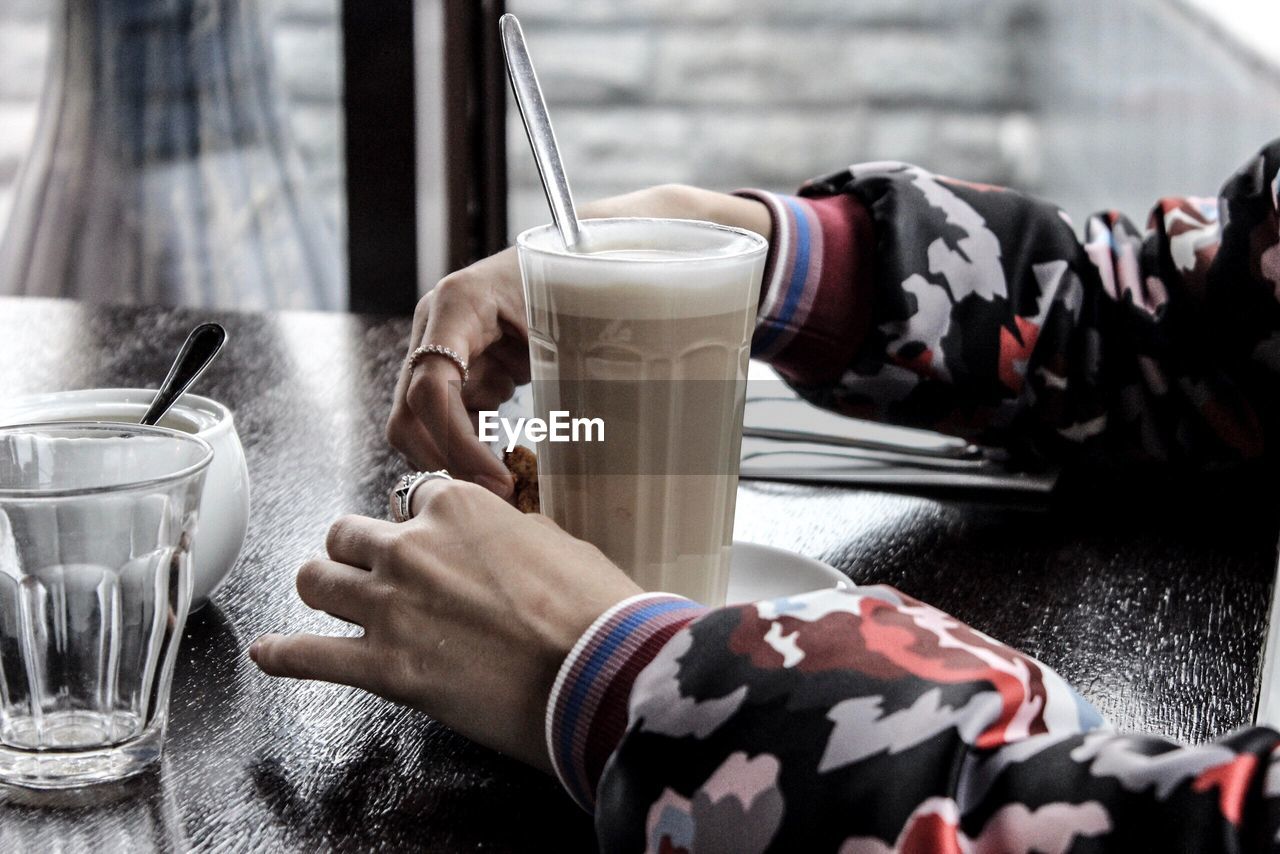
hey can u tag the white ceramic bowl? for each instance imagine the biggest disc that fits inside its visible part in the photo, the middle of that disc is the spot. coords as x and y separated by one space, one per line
224 508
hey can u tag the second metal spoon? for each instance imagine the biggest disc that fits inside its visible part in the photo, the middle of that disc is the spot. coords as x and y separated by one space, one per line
197 352
537 124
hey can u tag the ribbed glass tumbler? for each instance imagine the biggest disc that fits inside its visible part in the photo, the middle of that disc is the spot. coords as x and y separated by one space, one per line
96 523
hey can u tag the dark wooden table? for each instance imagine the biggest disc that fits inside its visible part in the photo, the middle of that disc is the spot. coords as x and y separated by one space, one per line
1153 604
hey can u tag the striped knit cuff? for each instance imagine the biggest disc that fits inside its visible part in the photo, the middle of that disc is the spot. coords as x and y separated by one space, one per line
814 301
587 709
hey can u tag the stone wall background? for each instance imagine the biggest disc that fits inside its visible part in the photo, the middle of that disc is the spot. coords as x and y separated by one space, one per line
731 93
1094 103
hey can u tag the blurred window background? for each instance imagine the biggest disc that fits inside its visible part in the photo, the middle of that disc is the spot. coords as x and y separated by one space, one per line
190 151
306 40
1092 103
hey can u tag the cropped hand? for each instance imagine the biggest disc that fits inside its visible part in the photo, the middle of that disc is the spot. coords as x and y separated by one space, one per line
479 313
468 610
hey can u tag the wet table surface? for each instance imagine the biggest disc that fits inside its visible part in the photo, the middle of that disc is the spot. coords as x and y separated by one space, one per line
1152 604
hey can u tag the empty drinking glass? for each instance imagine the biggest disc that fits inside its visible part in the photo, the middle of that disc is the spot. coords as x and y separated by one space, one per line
96 522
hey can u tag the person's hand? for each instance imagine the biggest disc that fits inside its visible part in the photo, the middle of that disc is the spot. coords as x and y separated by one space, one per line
468 611
479 313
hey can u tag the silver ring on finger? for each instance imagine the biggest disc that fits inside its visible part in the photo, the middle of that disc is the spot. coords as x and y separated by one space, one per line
439 350
402 492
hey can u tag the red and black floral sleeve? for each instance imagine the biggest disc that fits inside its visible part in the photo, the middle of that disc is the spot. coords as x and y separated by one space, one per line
863 720
860 721
903 296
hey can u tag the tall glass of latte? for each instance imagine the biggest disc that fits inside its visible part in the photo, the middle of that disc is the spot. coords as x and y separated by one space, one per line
639 346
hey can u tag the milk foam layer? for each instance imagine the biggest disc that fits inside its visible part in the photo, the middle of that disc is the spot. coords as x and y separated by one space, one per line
639 269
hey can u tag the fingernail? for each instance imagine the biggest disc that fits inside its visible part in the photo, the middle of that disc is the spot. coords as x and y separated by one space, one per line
501 487
253 650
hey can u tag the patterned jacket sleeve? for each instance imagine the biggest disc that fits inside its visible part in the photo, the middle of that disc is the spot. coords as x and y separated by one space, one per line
865 721
908 297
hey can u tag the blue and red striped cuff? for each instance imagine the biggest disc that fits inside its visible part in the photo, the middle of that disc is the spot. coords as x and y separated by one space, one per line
587 709
814 301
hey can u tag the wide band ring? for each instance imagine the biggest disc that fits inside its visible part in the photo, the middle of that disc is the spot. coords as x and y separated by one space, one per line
402 493
439 350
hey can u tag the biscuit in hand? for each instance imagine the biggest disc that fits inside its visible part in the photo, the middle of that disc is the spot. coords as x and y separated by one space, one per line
523 465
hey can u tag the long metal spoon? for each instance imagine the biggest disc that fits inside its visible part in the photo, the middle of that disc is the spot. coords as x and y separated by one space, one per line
537 124
197 352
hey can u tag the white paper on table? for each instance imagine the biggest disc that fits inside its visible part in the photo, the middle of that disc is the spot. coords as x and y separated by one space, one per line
807 443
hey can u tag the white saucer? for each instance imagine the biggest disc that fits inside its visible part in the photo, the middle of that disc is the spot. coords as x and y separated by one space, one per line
765 572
